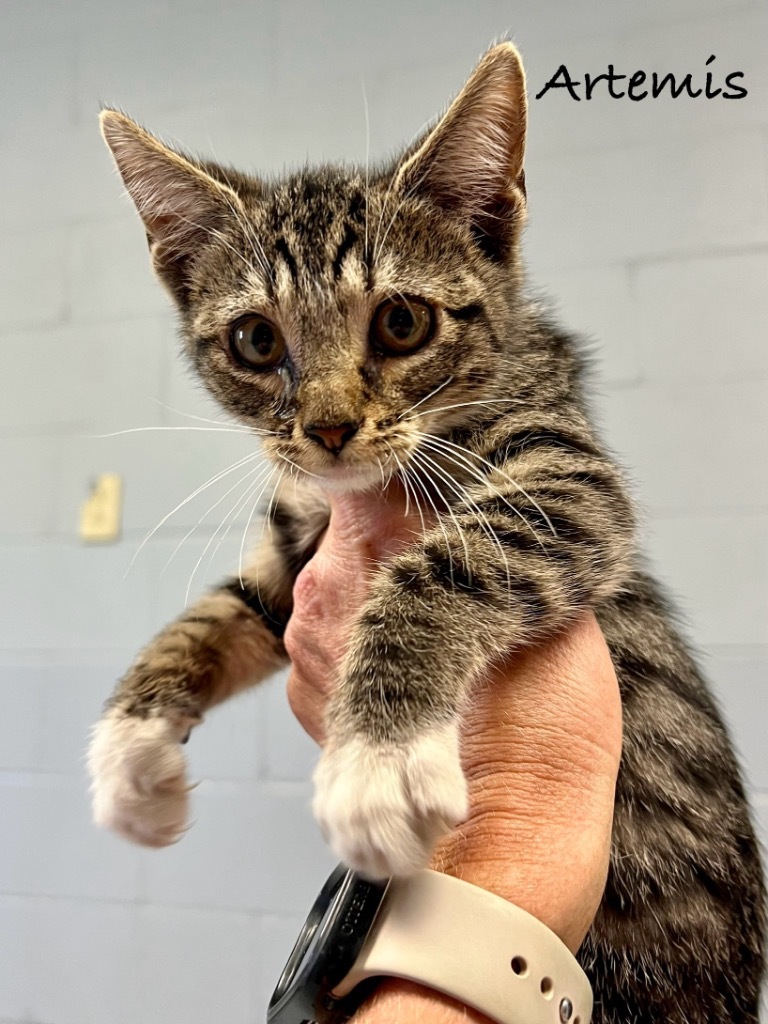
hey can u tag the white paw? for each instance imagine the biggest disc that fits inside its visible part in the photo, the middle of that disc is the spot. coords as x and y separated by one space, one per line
138 777
383 807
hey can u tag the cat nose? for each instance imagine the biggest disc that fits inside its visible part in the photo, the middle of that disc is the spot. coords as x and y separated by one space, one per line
332 437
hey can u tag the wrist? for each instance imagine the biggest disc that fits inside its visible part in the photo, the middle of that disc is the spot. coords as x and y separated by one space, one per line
441 932
564 900
403 1001
488 937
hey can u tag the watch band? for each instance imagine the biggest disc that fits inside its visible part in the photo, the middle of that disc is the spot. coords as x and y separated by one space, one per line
476 947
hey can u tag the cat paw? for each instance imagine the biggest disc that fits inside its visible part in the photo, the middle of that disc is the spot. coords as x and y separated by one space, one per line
383 807
138 777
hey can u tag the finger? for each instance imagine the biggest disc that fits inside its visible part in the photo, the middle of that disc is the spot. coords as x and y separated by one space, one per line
307 701
330 591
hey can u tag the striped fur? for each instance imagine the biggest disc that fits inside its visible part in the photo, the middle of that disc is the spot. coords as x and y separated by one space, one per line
527 523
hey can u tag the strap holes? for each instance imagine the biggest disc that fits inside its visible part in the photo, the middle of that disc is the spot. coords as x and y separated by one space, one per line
519 965
547 988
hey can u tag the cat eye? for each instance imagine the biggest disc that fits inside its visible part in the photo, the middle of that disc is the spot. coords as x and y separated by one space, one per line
256 343
401 326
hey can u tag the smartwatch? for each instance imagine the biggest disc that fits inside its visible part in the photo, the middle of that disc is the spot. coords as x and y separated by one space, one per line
436 930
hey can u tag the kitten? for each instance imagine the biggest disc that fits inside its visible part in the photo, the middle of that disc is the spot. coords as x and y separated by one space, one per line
363 323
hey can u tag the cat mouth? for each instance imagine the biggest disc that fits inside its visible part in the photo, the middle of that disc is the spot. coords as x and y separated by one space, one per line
360 466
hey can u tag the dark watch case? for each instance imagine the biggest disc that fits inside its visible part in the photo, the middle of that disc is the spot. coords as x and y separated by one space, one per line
327 947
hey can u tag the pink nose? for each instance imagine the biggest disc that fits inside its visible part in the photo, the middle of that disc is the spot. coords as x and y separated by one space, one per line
332 437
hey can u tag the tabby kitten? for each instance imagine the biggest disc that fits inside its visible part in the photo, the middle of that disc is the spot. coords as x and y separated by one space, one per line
361 323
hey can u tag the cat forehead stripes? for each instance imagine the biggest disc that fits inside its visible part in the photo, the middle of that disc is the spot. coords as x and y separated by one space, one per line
315 220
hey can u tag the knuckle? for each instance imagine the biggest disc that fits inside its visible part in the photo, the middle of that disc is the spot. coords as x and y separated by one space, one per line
307 588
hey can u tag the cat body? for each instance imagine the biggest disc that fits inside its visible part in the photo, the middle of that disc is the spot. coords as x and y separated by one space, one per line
371 325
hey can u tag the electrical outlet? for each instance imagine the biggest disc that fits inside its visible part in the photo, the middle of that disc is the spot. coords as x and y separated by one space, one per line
102 512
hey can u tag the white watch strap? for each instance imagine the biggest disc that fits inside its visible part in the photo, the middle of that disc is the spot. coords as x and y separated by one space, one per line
477 947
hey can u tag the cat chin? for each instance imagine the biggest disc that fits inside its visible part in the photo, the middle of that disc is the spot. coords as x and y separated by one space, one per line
349 479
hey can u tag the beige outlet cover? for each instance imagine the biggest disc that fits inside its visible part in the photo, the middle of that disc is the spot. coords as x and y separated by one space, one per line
102 512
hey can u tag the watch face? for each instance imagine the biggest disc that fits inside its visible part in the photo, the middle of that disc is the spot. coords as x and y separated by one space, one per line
327 947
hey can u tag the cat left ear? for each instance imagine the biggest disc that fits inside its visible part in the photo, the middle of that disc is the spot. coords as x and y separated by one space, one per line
471 162
181 205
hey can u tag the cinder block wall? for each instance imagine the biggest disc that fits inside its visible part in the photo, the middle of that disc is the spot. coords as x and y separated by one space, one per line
649 226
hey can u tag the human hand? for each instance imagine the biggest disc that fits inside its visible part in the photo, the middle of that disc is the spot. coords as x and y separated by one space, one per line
540 744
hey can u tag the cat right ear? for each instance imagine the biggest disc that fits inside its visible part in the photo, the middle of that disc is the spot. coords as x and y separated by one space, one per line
181 205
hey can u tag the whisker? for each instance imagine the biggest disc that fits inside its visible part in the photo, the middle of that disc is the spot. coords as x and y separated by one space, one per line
477 474
247 527
241 218
367 167
190 415
212 430
232 512
467 451
403 199
426 398
409 484
256 247
384 206
217 234
402 471
438 518
270 504
463 496
393 179
229 519
208 512
461 405
256 578
381 474
411 480
466 498
298 467
245 499
217 476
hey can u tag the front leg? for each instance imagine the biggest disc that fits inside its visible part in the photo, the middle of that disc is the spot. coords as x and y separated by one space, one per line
389 782
230 639
536 548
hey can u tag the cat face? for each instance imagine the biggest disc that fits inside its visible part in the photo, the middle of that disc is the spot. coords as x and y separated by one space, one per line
347 315
334 348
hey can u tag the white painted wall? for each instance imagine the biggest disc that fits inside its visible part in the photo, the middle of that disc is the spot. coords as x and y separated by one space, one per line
649 225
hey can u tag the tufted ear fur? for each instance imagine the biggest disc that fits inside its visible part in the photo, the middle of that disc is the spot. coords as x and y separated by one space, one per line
181 205
471 162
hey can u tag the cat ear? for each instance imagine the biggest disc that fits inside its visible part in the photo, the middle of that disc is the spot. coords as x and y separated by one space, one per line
181 205
471 162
